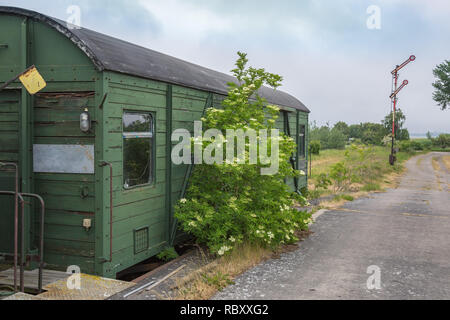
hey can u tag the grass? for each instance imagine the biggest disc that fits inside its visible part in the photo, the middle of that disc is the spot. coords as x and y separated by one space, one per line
323 162
379 176
446 160
419 162
436 165
371 186
434 149
437 168
345 197
204 283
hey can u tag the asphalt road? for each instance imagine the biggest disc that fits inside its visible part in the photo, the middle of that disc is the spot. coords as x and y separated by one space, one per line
404 234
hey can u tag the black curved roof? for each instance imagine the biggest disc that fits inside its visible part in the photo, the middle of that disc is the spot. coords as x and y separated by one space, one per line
108 53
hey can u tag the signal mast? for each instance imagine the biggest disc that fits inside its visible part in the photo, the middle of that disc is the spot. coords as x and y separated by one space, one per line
395 91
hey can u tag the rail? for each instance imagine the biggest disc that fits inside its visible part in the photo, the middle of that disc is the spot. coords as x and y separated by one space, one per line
41 237
22 251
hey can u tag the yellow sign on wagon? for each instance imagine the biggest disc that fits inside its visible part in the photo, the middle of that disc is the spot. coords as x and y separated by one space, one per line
33 81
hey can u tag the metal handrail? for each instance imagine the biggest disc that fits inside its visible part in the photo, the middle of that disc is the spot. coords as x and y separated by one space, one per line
41 247
41 238
22 202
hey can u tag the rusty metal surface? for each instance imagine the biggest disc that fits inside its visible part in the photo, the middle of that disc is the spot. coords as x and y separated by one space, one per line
22 297
56 287
91 288
31 277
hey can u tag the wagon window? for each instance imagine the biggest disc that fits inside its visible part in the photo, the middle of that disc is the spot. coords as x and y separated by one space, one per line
302 142
138 144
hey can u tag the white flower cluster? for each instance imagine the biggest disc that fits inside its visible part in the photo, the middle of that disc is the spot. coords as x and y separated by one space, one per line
192 224
260 232
273 108
224 250
214 110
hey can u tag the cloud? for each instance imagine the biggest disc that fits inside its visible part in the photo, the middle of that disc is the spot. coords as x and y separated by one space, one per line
181 18
121 18
328 57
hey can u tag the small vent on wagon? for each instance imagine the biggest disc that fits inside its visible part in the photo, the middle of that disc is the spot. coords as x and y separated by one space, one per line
141 240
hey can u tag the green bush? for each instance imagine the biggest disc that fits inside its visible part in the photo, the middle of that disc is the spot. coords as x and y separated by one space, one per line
340 175
406 146
426 144
167 254
415 145
219 280
348 197
314 194
323 182
228 204
443 141
315 147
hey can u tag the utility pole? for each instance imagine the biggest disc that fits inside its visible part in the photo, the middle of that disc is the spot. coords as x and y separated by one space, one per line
394 100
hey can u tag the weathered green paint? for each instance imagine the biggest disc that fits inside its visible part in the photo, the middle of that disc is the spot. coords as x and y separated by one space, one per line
50 121
9 152
169 123
52 117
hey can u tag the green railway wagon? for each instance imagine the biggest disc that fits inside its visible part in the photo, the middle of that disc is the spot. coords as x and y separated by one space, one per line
107 104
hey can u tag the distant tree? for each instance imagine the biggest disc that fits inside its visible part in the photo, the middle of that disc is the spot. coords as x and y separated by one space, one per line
343 127
329 138
403 135
443 141
320 134
442 84
429 136
372 133
337 139
355 131
400 119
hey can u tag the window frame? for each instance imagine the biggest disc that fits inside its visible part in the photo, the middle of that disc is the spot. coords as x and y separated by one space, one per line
140 135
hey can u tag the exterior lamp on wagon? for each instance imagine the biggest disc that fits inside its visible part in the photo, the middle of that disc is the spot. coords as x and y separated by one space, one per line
85 121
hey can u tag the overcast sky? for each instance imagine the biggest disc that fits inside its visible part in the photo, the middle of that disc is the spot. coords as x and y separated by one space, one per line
329 58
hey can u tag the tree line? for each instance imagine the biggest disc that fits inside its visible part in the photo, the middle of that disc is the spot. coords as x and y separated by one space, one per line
376 134
341 134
